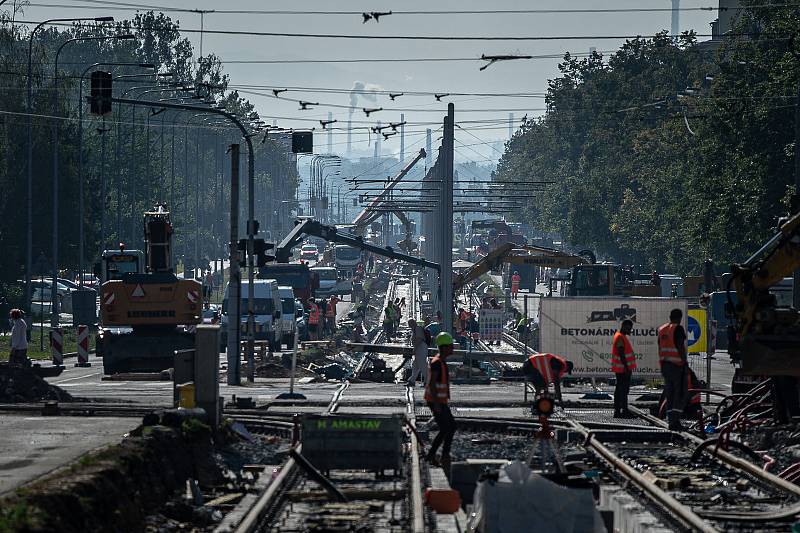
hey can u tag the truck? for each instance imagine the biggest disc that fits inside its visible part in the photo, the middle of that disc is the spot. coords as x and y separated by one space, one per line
346 259
146 312
298 276
328 281
267 311
287 322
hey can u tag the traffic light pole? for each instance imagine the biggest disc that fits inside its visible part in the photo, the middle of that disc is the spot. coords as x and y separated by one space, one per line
233 324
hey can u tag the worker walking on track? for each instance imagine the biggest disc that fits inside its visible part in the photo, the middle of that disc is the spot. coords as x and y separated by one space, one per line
623 363
419 364
388 321
437 396
545 368
673 362
313 319
515 280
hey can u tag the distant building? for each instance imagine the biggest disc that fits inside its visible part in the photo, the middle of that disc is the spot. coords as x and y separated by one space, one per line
727 13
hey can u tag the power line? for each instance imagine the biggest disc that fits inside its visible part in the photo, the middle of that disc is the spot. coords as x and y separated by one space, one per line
422 37
278 12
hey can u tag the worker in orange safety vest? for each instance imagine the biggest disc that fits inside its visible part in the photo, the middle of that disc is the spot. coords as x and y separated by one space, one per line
330 314
673 362
313 319
545 368
623 363
515 280
437 396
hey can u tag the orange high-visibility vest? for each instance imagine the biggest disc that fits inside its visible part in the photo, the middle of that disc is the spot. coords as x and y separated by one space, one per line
515 279
313 314
330 311
667 351
630 359
541 362
438 391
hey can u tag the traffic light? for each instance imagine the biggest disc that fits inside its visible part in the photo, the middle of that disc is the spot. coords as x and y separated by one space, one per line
100 96
260 248
302 142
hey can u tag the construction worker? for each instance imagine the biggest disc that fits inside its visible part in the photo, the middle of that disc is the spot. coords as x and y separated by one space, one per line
694 408
419 364
545 368
19 339
623 363
330 313
388 321
673 362
437 396
313 319
515 280
434 328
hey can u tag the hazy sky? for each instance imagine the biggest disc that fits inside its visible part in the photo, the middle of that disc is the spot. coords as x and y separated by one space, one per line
442 77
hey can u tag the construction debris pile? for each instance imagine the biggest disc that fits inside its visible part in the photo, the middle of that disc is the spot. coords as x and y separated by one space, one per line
19 384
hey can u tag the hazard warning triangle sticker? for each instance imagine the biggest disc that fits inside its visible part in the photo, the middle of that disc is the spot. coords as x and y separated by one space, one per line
138 292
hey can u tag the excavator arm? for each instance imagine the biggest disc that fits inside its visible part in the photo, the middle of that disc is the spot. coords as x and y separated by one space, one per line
766 339
520 255
283 251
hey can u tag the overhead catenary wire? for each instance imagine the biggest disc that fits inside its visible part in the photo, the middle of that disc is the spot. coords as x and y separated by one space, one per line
111 4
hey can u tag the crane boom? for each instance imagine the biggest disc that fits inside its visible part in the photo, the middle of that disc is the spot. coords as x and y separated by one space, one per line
283 251
521 255
368 214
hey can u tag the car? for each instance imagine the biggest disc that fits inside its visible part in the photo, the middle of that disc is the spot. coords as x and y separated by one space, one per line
89 280
211 314
309 252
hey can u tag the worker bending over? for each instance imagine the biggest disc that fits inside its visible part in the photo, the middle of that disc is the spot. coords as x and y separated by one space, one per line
623 363
437 396
545 368
673 362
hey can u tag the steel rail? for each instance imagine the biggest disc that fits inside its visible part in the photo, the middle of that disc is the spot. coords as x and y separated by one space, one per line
660 497
736 462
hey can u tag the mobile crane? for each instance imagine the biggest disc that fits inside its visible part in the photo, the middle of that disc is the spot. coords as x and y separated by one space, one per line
310 227
143 313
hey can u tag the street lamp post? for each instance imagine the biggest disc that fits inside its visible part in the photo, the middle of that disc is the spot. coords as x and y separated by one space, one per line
102 173
29 109
54 318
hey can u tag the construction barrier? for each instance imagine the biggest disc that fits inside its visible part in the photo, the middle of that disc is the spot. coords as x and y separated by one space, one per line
83 346
57 346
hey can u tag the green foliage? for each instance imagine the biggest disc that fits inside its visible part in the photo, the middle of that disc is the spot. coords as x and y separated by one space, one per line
20 517
649 174
140 158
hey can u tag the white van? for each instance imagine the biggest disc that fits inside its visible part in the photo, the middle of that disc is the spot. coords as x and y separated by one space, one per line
287 323
267 310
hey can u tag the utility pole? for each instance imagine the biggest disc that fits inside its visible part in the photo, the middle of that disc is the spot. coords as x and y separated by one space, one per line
796 276
330 133
202 13
402 137
235 281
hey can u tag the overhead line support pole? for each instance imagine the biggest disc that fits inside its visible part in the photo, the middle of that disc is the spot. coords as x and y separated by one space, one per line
233 324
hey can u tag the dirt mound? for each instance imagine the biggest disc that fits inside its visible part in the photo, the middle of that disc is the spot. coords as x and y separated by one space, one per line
22 385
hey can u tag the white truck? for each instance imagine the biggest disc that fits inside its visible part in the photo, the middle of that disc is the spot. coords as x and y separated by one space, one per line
347 259
287 323
267 310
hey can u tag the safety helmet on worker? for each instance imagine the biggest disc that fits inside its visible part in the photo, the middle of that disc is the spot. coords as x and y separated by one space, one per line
444 339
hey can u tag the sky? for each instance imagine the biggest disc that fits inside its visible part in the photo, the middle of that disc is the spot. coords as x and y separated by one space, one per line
479 142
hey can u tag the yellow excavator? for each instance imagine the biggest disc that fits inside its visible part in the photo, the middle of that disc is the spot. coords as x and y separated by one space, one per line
145 314
765 337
